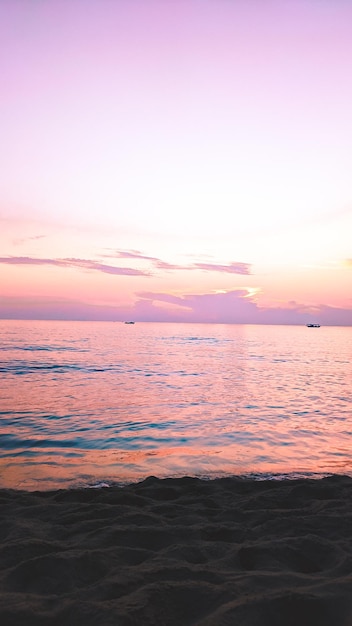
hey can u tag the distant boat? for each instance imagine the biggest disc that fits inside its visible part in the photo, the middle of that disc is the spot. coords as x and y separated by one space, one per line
129 322
313 325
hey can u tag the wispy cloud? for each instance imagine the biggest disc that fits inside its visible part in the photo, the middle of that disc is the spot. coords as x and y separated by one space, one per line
132 254
230 268
136 254
26 260
85 264
23 240
88 264
103 267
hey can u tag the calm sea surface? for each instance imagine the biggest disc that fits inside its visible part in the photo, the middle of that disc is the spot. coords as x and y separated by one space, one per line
86 403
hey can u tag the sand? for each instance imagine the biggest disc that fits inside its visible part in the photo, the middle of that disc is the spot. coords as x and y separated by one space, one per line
179 552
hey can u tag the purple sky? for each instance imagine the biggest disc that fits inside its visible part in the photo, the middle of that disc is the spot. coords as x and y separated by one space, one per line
176 160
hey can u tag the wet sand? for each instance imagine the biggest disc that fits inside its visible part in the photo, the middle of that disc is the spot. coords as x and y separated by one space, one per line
179 552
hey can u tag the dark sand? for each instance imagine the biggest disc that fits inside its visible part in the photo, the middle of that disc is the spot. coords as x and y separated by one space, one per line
179 552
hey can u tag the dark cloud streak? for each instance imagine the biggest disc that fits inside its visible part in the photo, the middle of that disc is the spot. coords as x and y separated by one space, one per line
86 264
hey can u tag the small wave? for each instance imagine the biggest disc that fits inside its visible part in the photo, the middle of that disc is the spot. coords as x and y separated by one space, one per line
22 368
197 339
32 453
43 348
10 442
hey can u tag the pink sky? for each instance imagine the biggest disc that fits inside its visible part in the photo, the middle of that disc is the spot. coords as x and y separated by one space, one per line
181 161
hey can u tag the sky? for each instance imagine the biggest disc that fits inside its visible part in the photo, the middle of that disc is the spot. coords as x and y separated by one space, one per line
176 160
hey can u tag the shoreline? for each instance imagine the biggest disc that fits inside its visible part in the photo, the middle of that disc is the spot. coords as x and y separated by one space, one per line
41 485
179 551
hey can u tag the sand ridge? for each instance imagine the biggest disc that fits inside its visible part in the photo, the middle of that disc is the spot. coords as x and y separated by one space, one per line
179 552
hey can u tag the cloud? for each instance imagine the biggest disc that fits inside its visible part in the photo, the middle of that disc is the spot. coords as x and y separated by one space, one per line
348 262
53 308
23 240
88 264
26 260
102 267
132 254
230 268
228 307
233 307
76 263
135 254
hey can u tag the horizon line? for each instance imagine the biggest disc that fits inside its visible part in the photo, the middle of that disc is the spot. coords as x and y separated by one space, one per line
39 319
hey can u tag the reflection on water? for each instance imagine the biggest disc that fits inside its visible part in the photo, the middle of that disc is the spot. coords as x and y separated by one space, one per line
83 402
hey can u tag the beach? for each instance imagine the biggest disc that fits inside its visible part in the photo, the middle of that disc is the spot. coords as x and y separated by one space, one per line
179 552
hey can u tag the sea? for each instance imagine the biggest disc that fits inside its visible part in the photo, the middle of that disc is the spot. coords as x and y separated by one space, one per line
89 404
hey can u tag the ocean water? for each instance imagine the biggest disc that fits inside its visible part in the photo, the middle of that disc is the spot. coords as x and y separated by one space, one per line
92 403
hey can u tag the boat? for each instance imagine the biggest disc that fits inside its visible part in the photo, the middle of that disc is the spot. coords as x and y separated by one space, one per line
313 325
129 322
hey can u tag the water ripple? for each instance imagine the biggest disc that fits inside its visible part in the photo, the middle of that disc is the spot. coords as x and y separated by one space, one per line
95 401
